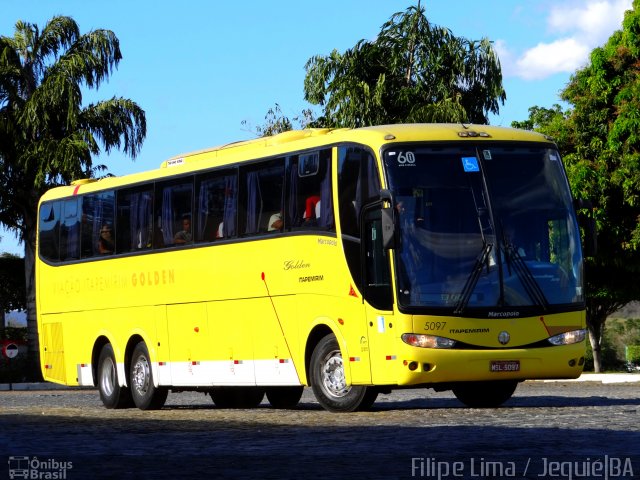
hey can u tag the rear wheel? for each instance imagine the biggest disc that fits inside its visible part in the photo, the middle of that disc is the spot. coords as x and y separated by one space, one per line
145 394
284 397
489 394
329 382
237 397
111 393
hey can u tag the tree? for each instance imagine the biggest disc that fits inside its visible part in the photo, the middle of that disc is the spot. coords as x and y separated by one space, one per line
277 122
599 138
47 137
412 72
12 286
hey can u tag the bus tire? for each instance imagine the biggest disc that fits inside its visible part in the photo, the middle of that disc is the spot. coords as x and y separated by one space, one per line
328 380
145 395
284 397
369 399
490 394
237 397
111 393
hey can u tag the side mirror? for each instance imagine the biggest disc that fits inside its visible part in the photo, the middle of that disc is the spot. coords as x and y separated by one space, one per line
388 220
388 228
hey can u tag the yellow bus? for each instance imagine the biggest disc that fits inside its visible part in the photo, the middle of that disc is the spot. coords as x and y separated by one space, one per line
353 261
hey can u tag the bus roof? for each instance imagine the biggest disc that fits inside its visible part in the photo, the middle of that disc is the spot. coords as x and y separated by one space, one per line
299 140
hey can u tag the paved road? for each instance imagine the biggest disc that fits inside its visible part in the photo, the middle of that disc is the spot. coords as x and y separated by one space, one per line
547 430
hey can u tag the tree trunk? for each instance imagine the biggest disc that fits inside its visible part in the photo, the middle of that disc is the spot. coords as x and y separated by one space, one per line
595 338
34 373
595 326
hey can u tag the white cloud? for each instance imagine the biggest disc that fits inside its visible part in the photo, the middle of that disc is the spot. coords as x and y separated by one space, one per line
581 26
545 59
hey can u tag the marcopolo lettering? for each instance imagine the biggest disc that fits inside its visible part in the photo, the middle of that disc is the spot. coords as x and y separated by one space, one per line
503 314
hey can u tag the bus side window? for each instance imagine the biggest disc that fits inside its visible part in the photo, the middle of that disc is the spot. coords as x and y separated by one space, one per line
98 228
135 219
310 193
263 189
216 206
49 241
70 230
173 214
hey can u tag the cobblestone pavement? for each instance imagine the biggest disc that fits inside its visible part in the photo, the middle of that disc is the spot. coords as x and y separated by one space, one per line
547 430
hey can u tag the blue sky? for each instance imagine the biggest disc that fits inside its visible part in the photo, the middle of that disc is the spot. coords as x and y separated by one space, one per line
199 68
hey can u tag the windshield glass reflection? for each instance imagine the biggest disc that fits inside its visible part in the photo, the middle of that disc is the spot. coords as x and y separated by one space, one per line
484 227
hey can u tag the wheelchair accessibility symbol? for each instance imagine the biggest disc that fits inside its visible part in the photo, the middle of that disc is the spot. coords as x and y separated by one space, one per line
470 164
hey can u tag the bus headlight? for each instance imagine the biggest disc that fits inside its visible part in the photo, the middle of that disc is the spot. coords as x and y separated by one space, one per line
567 338
427 341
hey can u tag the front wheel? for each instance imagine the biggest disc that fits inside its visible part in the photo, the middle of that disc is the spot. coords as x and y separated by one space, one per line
329 382
145 394
490 394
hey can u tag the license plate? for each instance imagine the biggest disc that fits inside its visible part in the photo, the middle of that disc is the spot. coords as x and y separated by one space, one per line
505 366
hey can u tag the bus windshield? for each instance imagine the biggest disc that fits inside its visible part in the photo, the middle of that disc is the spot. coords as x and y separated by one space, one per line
484 226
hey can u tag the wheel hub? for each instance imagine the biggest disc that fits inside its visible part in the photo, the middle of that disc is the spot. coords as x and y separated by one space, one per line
140 375
333 377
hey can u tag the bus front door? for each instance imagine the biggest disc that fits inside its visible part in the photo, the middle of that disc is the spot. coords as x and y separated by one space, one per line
378 299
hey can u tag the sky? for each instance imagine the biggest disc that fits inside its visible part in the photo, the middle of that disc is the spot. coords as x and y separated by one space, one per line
200 68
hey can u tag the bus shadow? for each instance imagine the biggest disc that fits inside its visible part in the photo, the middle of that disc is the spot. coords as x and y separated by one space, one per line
426 403
513 403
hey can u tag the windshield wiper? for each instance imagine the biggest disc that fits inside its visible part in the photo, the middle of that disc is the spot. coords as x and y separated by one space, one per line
472 280
515 260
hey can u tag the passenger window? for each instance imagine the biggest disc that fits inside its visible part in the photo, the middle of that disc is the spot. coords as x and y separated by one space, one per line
50 231
310 195
135 219
216 206
263 188
98 227
173 226
70 230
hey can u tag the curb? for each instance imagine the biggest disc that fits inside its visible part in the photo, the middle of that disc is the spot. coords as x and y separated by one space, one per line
604 378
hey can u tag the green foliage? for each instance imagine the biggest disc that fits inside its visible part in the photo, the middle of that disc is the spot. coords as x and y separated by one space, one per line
413 71
608 358
633 354
277 122
599 138
47 136
15 333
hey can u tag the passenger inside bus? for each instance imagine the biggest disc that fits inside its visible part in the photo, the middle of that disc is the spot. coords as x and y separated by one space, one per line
106 242
275 222
184 235
311 211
